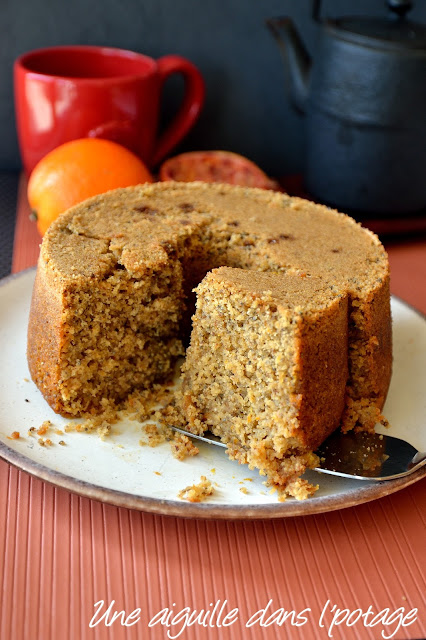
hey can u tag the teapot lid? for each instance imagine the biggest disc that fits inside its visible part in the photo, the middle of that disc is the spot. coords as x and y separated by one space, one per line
393 30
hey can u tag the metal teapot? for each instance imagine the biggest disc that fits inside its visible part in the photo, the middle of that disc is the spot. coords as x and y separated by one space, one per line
364 99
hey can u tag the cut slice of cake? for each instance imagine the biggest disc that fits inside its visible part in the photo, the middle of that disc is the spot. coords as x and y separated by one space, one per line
267 367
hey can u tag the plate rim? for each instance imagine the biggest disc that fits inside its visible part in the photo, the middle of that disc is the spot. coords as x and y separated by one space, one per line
205 510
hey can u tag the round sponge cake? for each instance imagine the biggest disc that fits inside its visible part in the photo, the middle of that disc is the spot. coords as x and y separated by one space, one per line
112 295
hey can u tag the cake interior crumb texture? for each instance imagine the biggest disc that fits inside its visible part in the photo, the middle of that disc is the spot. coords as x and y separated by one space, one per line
267 367
292 332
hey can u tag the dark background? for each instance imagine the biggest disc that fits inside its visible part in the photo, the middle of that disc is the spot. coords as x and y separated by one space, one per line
246 109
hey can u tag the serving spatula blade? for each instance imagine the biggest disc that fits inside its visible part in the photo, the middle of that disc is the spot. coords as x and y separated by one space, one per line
360 456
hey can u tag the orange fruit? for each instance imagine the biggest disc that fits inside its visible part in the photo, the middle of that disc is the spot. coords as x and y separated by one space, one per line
215 166
78 170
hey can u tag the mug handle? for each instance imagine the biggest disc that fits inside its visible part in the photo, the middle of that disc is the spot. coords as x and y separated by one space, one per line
189 109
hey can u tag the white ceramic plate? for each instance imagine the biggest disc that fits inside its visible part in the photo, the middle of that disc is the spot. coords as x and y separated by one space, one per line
118 470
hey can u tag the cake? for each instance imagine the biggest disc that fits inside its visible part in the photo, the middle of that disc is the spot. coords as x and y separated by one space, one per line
112 298
267 366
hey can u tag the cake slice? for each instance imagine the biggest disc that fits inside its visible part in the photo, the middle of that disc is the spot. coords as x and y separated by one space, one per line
266 369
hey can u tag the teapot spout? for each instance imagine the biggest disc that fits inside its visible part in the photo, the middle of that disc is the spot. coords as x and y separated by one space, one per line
297 61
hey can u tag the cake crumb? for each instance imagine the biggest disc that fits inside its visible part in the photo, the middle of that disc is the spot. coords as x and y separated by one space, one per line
244 490
183 447
62 443
45 442
171 414
197 492
157 473
101 424
44 428
140 405
155 435
299 488
15 435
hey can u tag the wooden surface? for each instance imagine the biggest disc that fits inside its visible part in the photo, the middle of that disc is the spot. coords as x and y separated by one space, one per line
60 554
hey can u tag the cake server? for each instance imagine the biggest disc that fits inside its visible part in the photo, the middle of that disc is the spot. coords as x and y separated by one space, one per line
359 456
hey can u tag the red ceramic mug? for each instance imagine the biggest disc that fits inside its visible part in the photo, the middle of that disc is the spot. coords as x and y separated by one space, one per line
68 92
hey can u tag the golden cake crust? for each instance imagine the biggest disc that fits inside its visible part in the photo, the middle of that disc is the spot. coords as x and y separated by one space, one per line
44 338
